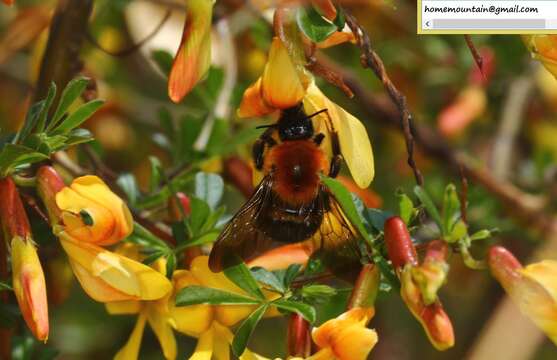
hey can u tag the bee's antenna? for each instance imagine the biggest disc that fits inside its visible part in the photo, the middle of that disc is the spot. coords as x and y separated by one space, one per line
316 113
266 126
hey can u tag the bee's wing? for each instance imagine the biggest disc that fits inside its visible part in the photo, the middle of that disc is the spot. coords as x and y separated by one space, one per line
240 238
336 240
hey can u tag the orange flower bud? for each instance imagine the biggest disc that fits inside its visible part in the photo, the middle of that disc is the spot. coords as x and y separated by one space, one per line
8 2
283 256
544 49
470 104
27 273
49 183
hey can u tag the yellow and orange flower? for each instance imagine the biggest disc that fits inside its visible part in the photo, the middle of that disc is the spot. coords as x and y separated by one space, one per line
88 214
193 57
544 49
283 85
345 337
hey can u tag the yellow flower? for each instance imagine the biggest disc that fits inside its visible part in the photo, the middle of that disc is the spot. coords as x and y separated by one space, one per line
27 273
92 213
533 288
88 214
154 312
345 337
193 57
209 323
284 85
544 49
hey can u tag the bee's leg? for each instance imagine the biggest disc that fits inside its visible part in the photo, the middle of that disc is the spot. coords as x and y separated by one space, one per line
336 161
258 148
318 138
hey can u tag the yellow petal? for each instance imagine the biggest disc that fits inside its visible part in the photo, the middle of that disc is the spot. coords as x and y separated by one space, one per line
130 277
223 339
29 286
194 54
126 307
204 348
281 85
95 287
191 320
130 351
253 104
161 327
111 217
536 295
354 141
347 335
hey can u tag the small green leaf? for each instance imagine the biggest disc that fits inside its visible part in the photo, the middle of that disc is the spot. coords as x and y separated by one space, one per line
145 238
458 232
41 123
241 276
5 286
79 116
480 235
451 208
344 198
313 25
267 278
340 20
170 264
203 239
429 205
290 274
78 136
209 188
305 310
405 207
317 293
376 218
31 119
129 186
194 295
155 178
245 330
13 156
72 91
200 212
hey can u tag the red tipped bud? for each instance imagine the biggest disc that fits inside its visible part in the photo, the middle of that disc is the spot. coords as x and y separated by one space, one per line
299 337
49 183
431 275
504 266
399 244
178 206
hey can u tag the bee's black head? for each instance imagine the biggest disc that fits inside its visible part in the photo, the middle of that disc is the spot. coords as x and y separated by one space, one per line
294 124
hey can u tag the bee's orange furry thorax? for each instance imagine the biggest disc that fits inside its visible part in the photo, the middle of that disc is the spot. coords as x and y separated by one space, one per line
295 166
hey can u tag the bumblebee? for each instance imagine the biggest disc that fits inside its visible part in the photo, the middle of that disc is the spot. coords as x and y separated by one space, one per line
290 204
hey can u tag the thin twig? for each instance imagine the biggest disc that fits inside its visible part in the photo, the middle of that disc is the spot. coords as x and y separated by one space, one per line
478 59
370 59
134 47
463 197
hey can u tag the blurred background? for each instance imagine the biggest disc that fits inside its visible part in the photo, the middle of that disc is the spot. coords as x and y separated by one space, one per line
505 118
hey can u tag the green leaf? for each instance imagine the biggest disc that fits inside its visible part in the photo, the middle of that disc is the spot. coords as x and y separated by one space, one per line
5 286
305 310
405 207
317 293
200 212
78 136
267 278
194 295
79 116
129 186
155 178
376 218
429 205
451 208
245 330
31 119
163 59
458 232
13 156
48 103
313 25
290 274
480 235
145 238
340 20
170 264
203 239
72 91
343 196
241 276
209 188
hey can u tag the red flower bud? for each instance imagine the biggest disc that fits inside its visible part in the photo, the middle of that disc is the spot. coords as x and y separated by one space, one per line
178 206
504 266
299 337
399 244
49 183
14 219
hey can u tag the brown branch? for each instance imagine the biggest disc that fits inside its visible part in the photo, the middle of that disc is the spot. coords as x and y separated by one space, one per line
61 61
475 53
370 59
